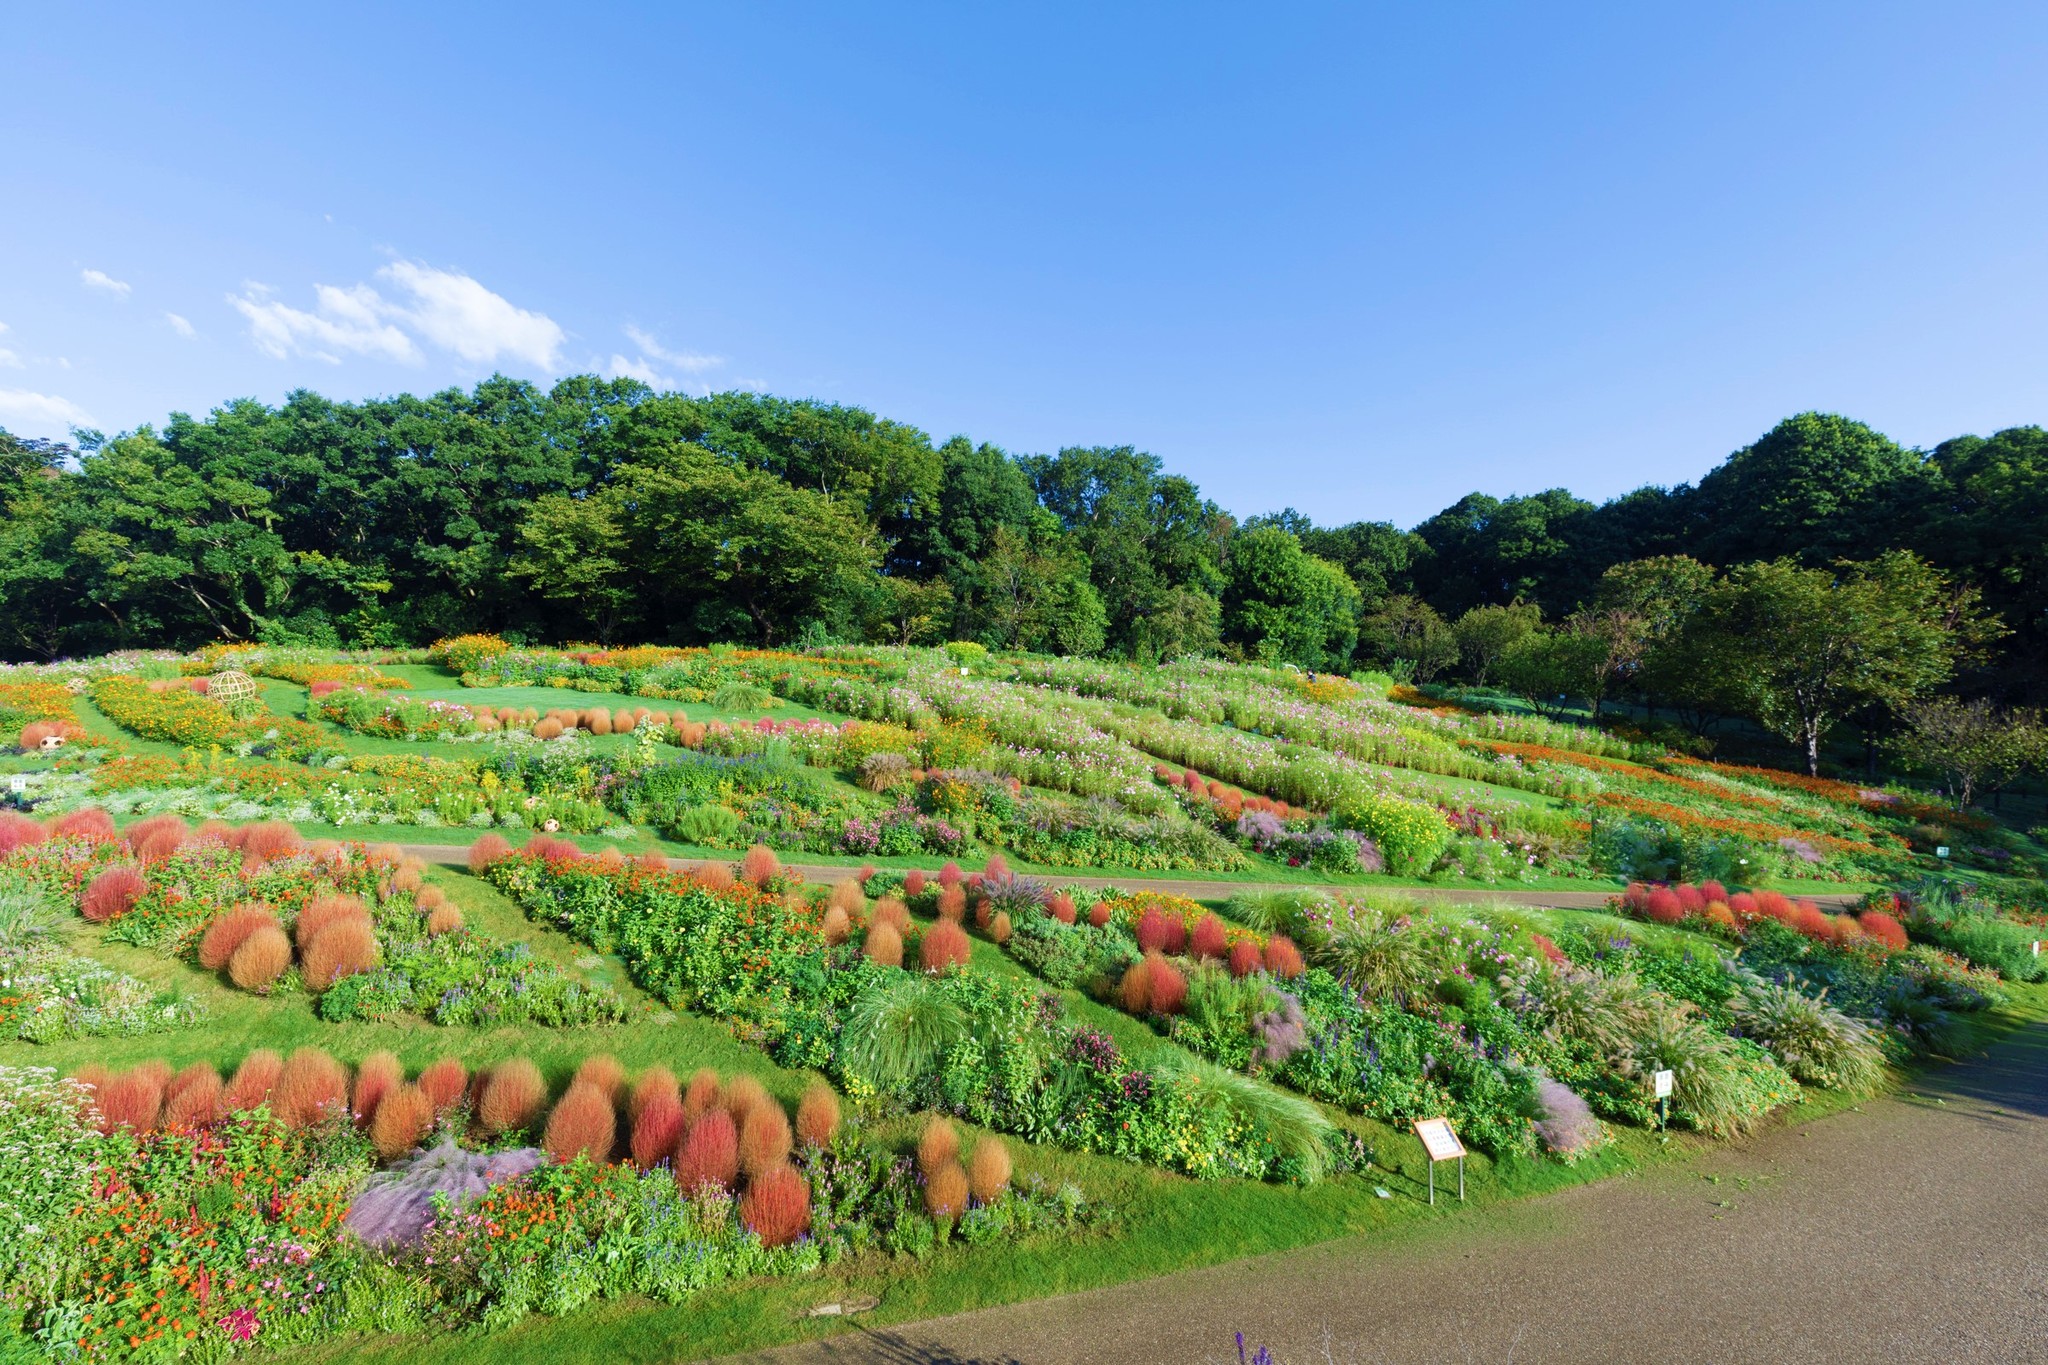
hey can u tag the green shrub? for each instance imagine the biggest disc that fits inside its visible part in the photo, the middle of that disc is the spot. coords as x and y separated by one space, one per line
1409 835
1815 1043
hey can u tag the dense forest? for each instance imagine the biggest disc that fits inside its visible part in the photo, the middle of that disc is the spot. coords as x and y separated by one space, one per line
604 511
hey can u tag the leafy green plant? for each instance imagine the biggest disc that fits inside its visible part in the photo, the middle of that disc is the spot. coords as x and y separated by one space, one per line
898 1033
1296 1129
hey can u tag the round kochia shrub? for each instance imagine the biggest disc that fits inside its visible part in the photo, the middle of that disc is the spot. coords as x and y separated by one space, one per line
512 1097
583 1124
404 1117
1408 834
944 945
254 1080
777 1205
260 959
988 1170
229 931
193 1097
710 1153
657 1128
312 1086
817 1115
443 1083
764 1138
341 949
112 894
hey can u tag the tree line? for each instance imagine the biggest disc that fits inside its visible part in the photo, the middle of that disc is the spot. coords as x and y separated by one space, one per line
603 510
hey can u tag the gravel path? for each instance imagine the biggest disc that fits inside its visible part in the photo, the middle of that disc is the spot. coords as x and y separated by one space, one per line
1913 1229
1201 890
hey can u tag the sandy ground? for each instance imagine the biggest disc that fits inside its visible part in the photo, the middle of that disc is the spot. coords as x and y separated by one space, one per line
1911 1229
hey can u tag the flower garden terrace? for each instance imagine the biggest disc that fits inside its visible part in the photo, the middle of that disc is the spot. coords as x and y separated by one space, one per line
889 1069
916 756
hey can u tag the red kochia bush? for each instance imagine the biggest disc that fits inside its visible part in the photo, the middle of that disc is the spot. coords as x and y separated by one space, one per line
1244 957
1713 891
713 876
656 1129
951 875
760 865
1663 906
1690 898
1098 914
1743 904
1169 994
443 1083
1810 920
18 831
112 894
1153 934
404 1117
340 950
583 1124
997 866
710 1153
777 1205
229 931
311 1086
512 1097
764 1138
937 1145
913 882
322 911
377 1075
131 1099
1283 959
704 1095
1884 929
743 1096
446 919
268 842
945 1191
952 903
260 959
884 945
817 1115
655 1080
1779 907
988 1170
142 831
603 1071
1209 938
944 945
1062 908
487 851
192 1099
254 1079
836 926
90 823
1135 990
1635 897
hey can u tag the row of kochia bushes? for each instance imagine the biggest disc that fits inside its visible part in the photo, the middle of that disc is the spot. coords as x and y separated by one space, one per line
725 1134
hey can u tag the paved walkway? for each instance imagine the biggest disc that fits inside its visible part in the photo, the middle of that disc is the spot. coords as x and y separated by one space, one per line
1203 890
1913 1229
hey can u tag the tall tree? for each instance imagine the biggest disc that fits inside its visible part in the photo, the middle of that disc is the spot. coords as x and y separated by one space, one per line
1285 605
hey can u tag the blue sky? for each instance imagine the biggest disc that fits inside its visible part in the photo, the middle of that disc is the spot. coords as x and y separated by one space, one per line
1357 259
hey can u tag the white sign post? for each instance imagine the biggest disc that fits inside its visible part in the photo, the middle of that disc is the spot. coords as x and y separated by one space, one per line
1665 1082
1439 1143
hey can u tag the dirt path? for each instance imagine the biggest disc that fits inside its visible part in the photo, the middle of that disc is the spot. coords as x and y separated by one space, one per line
1913 1229
1202 890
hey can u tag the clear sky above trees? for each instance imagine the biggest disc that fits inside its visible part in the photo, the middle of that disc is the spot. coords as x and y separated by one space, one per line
1359 260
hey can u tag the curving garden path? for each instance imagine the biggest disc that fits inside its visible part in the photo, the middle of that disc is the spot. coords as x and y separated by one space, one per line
1914 1228
1205 890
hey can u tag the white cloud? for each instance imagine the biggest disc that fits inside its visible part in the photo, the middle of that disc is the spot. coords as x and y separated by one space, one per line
33 414
450 310
688 361
100 279
621 368
9 360
181 326
458 314
346 321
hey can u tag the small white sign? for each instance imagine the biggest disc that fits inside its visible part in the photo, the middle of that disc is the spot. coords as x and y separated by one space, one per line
1438 1140
1664 1082
1941 852
19 784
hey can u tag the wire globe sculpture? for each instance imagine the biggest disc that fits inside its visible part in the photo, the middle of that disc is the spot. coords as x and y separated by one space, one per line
233 689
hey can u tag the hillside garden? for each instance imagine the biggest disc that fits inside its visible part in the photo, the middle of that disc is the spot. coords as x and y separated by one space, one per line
768 980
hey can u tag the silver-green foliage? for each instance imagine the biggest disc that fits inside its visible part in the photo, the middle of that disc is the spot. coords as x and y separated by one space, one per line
1811 1039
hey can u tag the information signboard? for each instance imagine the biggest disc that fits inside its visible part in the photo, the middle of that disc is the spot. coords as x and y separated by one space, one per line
1440 1143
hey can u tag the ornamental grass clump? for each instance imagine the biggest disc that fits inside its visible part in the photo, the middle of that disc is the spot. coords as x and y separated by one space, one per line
583 1124
777 1205
112 894
311 1087
1566 1124
404 1118
260 959
1814 1042
511 1098
817 1115
944 945
229 931
709 1154
898 1034
253 1082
